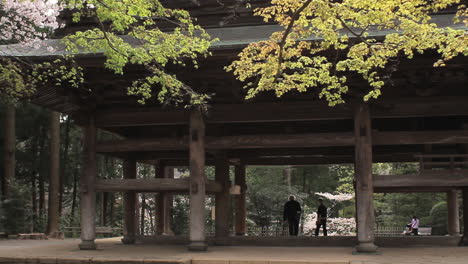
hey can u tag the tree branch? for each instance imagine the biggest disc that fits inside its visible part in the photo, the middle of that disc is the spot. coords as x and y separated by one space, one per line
288 30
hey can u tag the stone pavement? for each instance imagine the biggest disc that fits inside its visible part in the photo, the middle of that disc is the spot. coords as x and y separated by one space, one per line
111 251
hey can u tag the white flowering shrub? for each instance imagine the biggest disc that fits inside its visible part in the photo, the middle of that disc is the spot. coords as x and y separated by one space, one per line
338 226
336 198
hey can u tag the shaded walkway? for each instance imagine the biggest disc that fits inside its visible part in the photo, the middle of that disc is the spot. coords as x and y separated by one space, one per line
112 251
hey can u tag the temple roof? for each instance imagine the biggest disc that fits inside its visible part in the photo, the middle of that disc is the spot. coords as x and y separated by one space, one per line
229 38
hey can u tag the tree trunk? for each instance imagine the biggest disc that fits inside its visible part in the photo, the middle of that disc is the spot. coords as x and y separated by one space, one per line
150 213
142 214
130 204
105 198
111 209
222 199
9 160
34 147
64 162
33 202
42 155
74 193
54 180
287 176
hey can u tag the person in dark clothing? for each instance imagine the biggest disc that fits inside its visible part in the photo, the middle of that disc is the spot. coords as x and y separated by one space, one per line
321 218
291 213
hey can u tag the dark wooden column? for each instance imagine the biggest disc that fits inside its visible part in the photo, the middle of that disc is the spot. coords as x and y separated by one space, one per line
453 213
364 183
241 209
130 202
87 188
54 180
163 202
465 217
9 148
197 182
222 201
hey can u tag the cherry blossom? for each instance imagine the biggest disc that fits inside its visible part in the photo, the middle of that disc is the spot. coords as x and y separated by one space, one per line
27 21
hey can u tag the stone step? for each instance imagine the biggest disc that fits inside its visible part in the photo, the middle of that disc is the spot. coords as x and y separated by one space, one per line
50 260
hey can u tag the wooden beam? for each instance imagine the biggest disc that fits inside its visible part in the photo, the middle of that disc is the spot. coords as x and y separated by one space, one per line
348 159
151 185
427 179
231 142
410 189
420 137
287 141
279 112
389 152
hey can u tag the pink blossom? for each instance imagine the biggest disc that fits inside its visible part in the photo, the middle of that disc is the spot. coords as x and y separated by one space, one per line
25 21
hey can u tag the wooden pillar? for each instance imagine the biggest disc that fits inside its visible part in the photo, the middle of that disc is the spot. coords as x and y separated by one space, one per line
241 209
9 148
465 217
222 199
88 192
130 202
453 213
164 202
364 185
54 180
197 182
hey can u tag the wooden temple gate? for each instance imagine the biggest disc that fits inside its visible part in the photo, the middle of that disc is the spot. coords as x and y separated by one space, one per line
425 108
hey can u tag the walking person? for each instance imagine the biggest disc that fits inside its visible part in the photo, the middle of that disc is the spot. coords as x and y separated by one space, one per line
321 218
414 225
292 212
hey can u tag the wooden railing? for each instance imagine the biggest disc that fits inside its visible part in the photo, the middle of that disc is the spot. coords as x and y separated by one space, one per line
398 230
450 161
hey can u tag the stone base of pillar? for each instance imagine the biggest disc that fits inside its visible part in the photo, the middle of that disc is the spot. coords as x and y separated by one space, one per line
128 240
464 241
87 245
197 246
366 248
240 234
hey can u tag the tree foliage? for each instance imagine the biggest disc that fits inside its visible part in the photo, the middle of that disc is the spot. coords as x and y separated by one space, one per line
145 43
323 40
